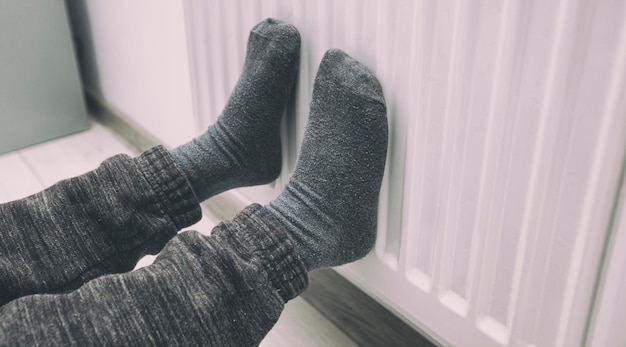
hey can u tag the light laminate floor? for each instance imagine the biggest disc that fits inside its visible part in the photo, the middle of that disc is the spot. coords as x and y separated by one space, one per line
32 169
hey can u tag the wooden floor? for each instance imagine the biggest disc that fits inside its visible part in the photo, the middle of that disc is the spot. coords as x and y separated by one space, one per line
30 170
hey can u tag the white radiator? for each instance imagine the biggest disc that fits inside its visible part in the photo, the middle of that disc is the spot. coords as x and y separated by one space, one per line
507 139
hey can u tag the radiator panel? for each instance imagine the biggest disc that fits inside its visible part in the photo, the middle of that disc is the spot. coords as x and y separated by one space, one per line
507 133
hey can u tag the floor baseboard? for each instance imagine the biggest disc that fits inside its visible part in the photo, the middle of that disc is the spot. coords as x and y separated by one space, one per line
359 316
112 118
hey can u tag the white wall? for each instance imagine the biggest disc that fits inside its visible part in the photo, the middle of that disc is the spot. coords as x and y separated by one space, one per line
134 55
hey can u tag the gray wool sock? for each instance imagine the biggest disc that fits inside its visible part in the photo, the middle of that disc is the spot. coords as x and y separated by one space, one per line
243 147
329 206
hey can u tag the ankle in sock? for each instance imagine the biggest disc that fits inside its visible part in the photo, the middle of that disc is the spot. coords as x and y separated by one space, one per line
243 147
329 206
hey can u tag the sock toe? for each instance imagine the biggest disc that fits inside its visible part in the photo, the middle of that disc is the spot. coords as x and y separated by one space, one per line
351 74
279 34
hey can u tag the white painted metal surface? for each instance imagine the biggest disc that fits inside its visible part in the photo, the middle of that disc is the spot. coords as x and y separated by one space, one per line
508 135
607 328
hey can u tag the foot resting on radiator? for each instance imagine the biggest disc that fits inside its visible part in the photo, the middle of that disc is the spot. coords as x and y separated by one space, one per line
329 207
243 147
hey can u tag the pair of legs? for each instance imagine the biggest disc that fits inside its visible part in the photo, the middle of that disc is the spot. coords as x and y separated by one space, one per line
65 252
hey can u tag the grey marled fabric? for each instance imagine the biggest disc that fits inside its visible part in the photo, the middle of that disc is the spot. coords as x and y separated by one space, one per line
98 223
227 289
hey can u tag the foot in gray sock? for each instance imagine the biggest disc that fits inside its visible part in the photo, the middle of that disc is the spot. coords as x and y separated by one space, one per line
329 206
243 147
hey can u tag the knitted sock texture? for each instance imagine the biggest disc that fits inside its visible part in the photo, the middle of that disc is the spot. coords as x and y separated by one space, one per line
243 147
329 206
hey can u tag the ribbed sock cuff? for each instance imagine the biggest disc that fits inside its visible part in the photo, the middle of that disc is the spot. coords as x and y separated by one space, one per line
173 191
263 236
